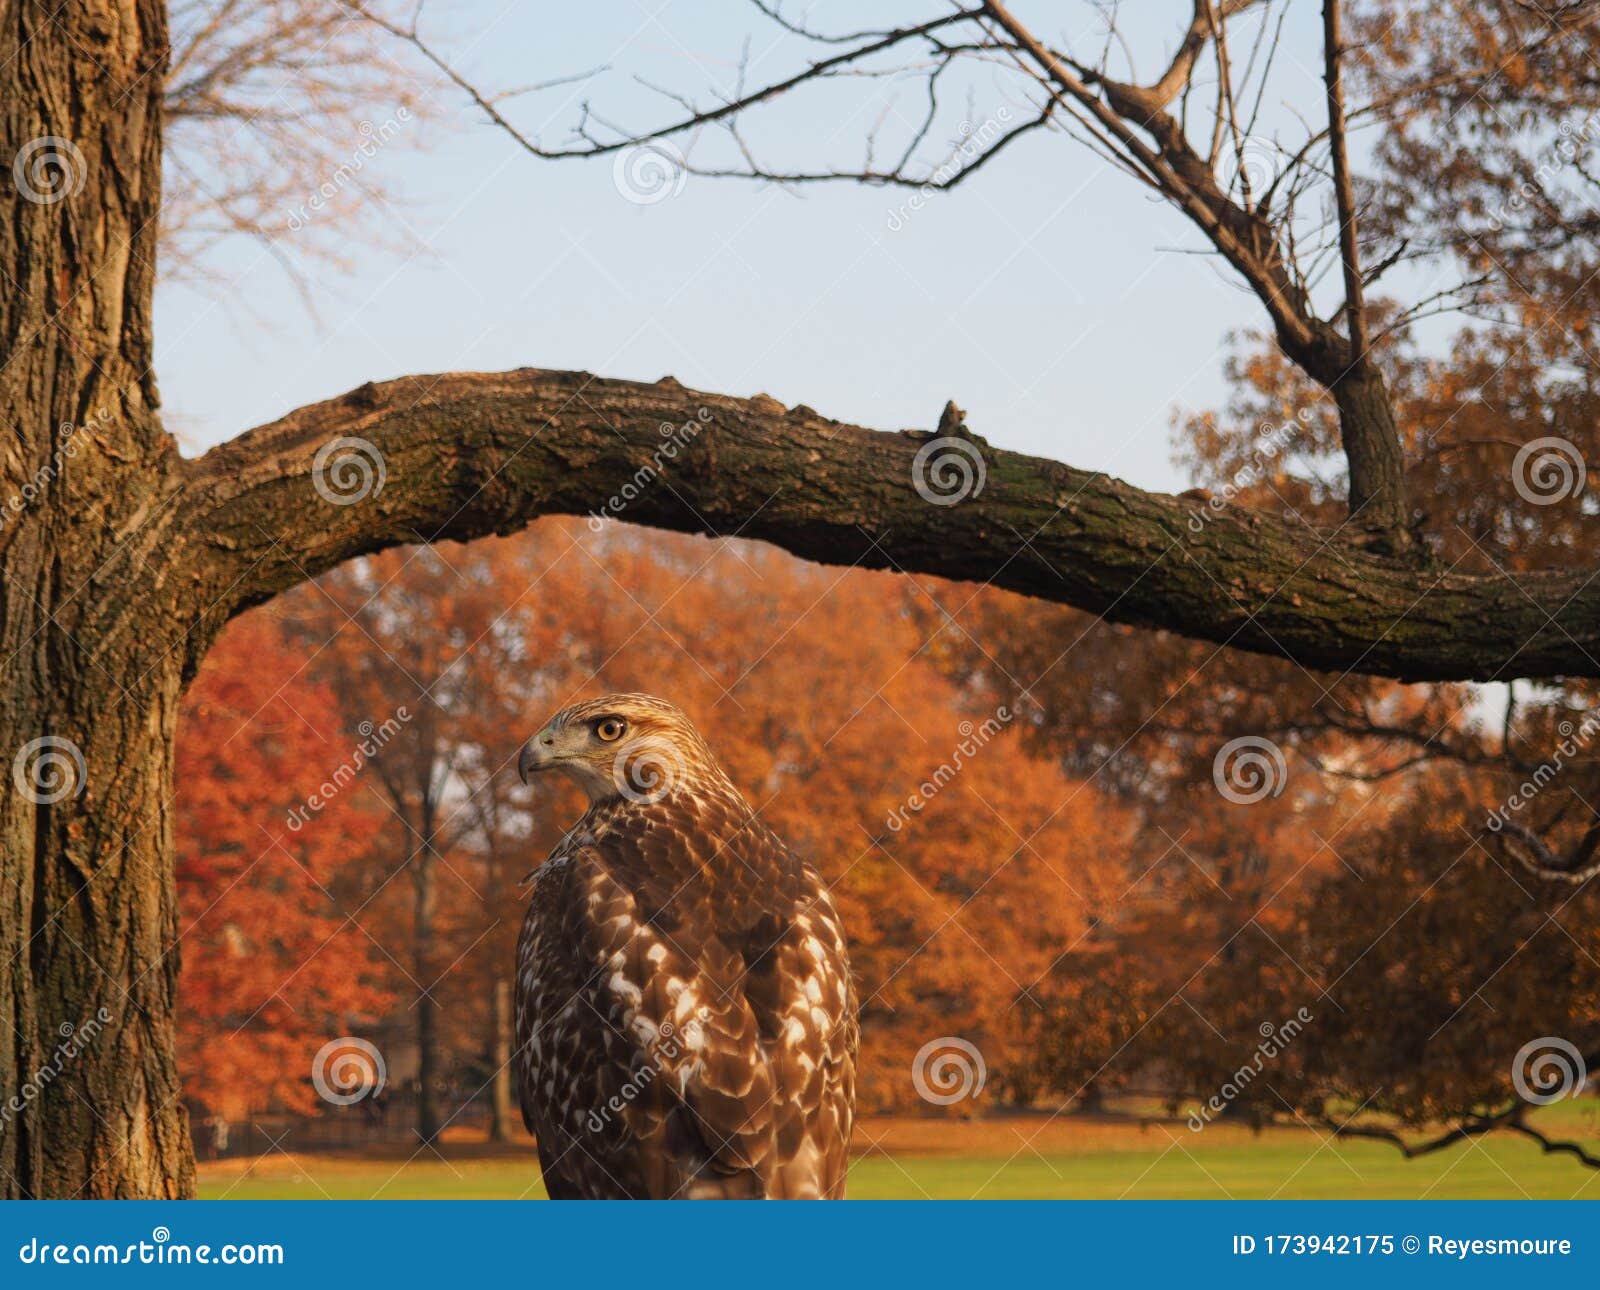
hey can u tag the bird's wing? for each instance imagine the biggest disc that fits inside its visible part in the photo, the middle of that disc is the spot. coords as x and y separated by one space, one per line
672 987
802 990
559 1066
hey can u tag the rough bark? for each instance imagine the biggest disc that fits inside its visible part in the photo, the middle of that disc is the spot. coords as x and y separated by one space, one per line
93 618
1369 437
466 455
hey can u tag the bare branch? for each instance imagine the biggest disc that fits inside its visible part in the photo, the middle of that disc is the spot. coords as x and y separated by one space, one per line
1343 186
1530 851
1510 1119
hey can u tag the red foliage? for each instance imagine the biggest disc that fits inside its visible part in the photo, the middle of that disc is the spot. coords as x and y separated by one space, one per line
272 966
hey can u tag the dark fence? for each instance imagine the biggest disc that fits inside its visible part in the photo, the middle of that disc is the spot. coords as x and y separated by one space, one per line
390 1119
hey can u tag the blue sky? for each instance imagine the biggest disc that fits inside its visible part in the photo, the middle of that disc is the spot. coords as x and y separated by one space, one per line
1051 297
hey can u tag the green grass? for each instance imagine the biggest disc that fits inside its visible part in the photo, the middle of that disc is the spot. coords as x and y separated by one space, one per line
992 1160
1365 1171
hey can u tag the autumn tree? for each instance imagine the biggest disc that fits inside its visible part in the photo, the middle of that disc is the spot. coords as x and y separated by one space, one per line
274 964
427 645
1430 899
966 864
120 561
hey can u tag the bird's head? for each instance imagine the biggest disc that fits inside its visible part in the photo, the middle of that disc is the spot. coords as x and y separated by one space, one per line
622 745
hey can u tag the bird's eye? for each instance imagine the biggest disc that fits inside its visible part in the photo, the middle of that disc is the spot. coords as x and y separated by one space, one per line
610 729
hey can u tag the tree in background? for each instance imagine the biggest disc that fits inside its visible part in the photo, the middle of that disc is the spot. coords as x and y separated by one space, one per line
274 965
966 865
1439 916
433 636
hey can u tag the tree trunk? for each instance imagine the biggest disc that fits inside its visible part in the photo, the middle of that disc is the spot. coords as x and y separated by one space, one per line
91 943
92 624
423 907
1372 449
500 1059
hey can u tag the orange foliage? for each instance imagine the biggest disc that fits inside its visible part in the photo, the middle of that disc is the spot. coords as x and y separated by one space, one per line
271 967
965 865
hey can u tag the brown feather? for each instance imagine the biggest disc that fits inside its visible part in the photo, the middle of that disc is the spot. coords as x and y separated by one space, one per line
686 1019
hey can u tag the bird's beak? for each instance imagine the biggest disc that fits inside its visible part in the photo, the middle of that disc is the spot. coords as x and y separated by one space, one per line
537 754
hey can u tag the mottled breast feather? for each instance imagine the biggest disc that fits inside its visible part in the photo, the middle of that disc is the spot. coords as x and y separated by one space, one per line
686 1019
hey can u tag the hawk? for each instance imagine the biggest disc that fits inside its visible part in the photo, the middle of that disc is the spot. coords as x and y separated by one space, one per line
686 1019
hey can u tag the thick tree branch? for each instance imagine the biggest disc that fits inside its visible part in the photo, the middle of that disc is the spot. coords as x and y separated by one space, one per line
1132 125
465 455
